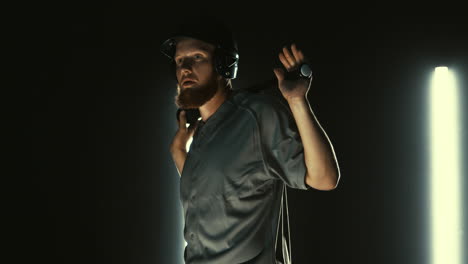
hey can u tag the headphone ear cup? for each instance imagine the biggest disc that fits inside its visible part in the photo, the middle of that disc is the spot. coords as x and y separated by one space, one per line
226 63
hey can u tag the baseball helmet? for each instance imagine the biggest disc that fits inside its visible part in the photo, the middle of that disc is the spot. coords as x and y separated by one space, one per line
213 31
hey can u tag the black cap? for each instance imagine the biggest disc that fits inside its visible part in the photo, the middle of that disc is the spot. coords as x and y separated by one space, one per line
207 28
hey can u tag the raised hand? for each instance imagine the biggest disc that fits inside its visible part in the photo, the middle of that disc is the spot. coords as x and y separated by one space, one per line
291 88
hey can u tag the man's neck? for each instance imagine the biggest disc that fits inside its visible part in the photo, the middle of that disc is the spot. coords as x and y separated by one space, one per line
210 107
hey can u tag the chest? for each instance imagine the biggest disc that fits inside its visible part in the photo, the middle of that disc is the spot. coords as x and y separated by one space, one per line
224 161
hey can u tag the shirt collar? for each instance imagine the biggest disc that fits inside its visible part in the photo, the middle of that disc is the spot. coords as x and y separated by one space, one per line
218 116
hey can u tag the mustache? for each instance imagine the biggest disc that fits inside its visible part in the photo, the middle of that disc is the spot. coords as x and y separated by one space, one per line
187 77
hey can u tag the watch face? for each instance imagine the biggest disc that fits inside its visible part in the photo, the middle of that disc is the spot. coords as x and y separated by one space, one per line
306 71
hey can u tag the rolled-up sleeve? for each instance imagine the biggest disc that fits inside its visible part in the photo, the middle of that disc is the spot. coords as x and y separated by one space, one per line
281 144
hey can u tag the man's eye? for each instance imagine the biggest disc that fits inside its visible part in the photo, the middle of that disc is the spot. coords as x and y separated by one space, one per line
198 56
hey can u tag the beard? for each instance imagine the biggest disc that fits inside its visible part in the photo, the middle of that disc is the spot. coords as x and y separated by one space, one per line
195 96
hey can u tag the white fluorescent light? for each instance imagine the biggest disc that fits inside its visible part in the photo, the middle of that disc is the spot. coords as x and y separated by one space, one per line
446 186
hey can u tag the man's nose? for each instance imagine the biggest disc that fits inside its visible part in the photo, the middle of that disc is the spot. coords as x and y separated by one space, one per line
185 68
187 64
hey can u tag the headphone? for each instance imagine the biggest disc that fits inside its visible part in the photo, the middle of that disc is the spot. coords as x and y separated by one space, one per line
226 62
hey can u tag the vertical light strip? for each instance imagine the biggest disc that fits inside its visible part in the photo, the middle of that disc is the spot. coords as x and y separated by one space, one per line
446 185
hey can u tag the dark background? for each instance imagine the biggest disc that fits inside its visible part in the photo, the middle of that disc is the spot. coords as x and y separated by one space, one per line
102 118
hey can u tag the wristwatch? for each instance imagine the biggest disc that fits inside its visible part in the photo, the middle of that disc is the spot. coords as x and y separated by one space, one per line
303 71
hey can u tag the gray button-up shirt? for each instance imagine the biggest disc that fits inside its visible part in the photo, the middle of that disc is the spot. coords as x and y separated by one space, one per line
233 176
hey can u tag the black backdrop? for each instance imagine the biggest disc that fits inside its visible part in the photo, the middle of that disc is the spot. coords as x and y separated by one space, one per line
102 117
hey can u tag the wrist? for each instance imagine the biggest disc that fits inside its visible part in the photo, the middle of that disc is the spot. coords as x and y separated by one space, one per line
297 100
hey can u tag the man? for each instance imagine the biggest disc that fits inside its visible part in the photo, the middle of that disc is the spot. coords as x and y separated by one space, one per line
245 149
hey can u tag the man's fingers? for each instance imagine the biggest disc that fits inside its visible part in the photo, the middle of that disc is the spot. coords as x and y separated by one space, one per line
289 57
301 55
279 74
297 54
182 120
284 61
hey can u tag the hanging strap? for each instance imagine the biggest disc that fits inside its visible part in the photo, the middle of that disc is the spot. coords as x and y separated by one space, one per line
286 247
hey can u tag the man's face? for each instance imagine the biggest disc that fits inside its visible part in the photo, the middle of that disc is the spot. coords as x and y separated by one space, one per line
196 77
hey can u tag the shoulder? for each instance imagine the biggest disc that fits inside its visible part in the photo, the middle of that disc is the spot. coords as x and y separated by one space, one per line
261 103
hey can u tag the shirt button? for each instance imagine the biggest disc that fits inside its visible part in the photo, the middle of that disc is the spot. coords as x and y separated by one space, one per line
192 235
193 196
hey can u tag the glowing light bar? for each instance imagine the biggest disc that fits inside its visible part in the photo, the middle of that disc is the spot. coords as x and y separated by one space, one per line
446 186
